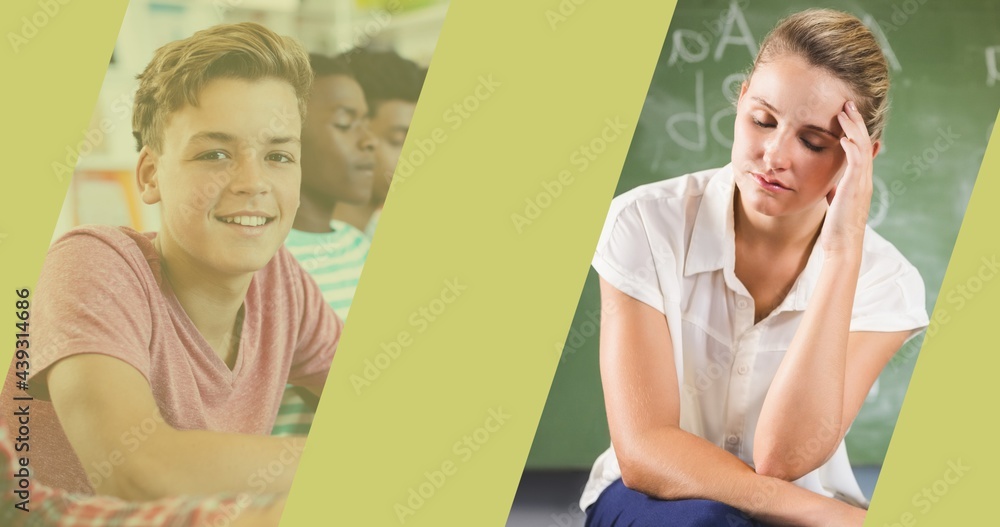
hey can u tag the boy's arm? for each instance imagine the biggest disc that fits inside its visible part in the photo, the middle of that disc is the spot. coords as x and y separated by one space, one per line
99 398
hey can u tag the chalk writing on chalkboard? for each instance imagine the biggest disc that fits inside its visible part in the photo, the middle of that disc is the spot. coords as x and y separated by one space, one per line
992 75
724 25
883 42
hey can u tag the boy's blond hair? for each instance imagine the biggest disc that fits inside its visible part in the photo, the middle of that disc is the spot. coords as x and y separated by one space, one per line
181 69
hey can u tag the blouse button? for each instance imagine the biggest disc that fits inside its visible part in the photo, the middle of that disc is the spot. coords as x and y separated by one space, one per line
741 303
732 439
742 369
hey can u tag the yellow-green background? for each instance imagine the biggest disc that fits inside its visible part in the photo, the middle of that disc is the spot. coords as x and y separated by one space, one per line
49 88
492 348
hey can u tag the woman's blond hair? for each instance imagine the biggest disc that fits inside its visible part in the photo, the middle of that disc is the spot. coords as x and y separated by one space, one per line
842 45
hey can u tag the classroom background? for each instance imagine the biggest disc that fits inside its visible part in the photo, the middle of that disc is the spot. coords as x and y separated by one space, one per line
945 92
103 188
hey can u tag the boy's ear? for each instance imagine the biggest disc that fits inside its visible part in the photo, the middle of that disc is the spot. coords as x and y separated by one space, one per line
146 176
876 146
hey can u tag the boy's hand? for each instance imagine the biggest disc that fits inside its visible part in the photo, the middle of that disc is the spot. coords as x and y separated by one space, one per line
99 398
266 517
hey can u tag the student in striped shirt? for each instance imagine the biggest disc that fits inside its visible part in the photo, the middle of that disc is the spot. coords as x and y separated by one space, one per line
338 166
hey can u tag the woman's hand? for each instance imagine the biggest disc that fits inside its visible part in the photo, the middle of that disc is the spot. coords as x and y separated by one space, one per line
844 515
844 227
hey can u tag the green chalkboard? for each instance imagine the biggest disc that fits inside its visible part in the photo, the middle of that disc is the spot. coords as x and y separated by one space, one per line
945 84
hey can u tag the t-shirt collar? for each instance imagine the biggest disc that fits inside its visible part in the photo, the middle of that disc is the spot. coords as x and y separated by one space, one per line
713 245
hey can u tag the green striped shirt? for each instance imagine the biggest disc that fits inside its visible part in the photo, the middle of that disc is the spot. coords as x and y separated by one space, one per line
334 260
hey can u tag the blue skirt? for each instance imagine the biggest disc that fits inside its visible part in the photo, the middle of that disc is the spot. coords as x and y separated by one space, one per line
619 506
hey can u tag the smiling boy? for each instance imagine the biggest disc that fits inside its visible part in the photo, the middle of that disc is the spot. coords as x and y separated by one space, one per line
165 354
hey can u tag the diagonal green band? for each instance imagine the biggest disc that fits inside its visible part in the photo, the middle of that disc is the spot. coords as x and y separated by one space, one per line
54 56
503 184
942 462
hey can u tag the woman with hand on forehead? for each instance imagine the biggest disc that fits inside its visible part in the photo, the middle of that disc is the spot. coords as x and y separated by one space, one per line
747 310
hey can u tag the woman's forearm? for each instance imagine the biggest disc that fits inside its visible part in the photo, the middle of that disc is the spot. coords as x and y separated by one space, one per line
672 464
657 457
800 423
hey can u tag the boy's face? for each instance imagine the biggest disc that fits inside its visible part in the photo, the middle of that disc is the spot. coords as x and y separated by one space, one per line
227 177
390 124
338 159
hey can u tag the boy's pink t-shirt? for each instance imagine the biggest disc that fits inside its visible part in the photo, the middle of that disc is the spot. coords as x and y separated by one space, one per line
101 291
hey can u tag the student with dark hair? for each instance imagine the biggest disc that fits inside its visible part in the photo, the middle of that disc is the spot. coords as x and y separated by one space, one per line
392 86
338 165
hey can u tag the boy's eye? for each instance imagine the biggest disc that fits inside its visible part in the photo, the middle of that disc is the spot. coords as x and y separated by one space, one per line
345 122
214 155
346 125
397 139
280 157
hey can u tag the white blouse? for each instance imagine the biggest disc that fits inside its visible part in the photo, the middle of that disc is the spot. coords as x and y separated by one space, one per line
670 244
